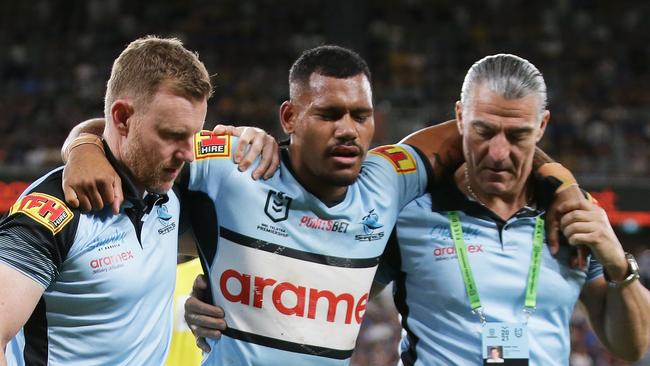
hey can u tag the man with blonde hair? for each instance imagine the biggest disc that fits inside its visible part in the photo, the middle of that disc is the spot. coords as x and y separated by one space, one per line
96 288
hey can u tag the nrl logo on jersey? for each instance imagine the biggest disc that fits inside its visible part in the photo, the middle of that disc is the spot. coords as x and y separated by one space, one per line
277 206
370 223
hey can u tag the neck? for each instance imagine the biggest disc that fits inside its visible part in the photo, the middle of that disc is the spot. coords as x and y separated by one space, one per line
115 150
503 205
328 193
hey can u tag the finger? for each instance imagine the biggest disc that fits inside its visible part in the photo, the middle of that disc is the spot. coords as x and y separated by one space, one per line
205 323
581 239
242 145
84 202
275 164
200 283
118 195
203 344
223 130
579 227
576 216
256 147
208 333
195 307
70 196
95 198
105 191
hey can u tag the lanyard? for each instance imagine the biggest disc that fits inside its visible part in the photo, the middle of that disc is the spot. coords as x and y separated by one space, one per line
466 270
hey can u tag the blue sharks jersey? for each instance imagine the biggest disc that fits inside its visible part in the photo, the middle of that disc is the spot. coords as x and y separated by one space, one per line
108 279
430 293
291 273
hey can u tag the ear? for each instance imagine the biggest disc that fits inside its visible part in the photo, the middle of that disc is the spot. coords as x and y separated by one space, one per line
121 112
287 117
542 127
459 117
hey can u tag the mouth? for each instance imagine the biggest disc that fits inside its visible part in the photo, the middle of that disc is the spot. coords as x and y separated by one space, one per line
499 172
345 154
172 172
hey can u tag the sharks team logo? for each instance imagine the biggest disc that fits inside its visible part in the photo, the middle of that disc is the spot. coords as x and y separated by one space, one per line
370 223
277 206
165 220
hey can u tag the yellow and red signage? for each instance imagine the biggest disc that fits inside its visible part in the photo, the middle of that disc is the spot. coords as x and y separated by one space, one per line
48 211
207 145
398 156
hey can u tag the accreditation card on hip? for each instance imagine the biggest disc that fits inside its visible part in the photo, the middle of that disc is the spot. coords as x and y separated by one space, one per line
505 343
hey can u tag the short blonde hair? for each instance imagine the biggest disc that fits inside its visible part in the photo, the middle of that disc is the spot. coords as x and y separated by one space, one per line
149 62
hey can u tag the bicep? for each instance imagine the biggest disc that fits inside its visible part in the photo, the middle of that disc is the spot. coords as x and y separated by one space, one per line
19 295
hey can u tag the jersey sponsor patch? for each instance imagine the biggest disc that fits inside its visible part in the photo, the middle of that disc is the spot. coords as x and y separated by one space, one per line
401 159
288 299
48 211
207 145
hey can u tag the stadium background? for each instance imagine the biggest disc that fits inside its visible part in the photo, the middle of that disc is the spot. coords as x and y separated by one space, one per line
56 58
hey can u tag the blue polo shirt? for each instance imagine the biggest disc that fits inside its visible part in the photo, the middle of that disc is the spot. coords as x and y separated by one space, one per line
107 279
430 293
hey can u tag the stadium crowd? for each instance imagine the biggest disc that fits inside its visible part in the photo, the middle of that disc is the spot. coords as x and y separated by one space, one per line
594 56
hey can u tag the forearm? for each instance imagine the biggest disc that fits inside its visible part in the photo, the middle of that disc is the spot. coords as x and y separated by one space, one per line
626 323
442 144
620 317
540 158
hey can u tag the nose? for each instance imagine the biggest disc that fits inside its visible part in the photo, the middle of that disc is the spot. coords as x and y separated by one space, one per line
499 148
346 128
185 150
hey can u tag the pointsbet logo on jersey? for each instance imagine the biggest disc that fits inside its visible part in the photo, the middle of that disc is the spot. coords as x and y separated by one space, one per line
335 226
207 145
48 211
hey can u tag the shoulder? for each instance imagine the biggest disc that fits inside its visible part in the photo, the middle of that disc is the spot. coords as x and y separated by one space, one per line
402 158
209 146
43 203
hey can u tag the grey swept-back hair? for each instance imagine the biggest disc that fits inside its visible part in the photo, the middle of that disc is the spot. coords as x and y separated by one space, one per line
508 75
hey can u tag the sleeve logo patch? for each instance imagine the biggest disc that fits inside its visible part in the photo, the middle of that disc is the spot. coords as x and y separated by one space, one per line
48 211
207 145
401 159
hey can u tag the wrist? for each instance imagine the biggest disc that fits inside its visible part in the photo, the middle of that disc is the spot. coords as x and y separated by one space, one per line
82 139
622 274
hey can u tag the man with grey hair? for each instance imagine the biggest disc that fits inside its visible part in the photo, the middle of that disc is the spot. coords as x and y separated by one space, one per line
469 259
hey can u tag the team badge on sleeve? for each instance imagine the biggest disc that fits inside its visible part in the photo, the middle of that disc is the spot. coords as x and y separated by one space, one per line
398 156
207 145
48 211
